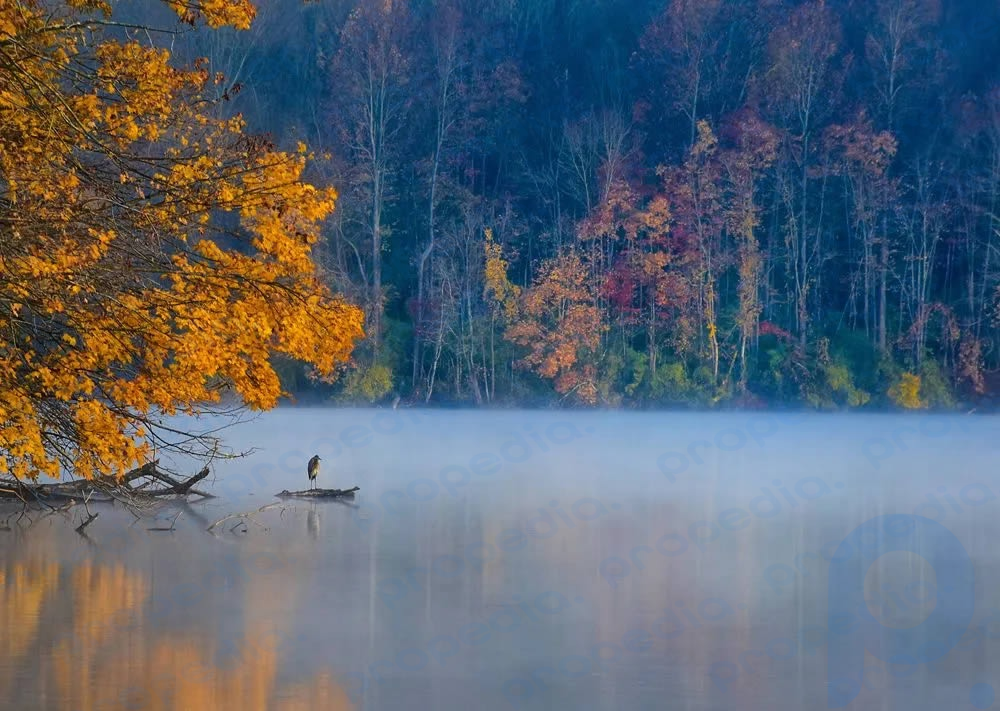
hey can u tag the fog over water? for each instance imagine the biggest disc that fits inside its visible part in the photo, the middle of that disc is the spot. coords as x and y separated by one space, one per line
532 560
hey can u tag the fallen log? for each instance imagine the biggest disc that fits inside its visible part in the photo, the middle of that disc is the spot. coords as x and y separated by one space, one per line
318 493
131 487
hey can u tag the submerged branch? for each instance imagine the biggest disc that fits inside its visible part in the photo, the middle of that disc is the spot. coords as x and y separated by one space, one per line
246 515
90 518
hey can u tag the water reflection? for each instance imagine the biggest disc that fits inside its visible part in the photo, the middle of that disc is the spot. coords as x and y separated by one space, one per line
24 588
312 522
82 635
467 574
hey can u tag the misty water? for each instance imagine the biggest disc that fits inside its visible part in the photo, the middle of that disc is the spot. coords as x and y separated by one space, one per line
531 560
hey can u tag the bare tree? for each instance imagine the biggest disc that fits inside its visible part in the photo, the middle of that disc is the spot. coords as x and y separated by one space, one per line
370 73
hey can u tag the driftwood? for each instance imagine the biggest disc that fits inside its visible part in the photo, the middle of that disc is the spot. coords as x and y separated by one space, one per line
318 493
130 488
244 516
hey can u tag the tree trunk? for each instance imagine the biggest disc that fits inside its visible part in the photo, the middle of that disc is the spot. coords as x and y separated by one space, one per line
376 329
883 268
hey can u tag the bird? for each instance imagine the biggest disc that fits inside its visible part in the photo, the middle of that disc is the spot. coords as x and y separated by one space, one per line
313 470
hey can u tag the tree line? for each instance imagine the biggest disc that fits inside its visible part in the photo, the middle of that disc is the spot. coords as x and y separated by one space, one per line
645 202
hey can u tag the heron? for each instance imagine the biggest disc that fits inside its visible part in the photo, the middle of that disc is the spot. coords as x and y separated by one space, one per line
313 470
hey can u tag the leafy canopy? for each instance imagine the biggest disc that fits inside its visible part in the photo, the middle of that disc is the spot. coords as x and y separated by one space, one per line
152 255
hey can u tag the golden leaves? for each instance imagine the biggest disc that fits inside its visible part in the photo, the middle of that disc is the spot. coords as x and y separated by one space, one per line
216 13
114 303
906 392
707 143
101 6
497 288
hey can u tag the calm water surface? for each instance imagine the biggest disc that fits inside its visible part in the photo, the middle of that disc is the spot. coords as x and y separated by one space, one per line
522 560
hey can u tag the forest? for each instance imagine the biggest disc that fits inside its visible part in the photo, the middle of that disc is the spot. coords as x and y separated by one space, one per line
641 203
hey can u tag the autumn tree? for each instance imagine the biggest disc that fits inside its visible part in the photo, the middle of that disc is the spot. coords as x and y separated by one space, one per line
501 295
696 194
561 327
754 150
154 257
646 270
905 393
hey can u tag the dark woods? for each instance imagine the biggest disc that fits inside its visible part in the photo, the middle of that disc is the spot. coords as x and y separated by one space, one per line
645 202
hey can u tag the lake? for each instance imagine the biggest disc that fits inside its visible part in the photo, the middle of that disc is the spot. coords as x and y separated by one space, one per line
531 560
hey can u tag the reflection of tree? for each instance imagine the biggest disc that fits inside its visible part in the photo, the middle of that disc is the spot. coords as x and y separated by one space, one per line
23 590
107 655
323 692
105 600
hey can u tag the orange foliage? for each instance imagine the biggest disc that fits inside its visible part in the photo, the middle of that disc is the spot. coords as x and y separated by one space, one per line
153 256
561 325
861 147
